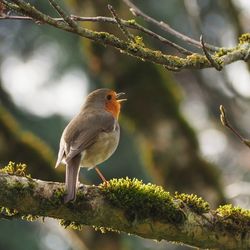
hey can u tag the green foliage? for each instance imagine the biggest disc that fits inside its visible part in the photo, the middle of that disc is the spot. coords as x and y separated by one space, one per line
141 201
235 219
195 203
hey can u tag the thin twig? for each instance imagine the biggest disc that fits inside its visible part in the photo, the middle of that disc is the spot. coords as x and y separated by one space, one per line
215 64
12 17
102 19
15 17
64 15
226 123
132 24
161 39
126 33
129 24
164 26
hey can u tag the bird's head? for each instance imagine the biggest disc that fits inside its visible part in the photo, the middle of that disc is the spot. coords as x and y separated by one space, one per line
105 99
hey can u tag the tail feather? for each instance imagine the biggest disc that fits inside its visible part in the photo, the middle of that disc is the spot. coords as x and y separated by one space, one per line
71 180
61 153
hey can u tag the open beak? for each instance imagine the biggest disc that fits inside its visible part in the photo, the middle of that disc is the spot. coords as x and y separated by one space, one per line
118 95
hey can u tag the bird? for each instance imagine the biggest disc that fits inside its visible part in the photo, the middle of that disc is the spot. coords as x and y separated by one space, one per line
90 138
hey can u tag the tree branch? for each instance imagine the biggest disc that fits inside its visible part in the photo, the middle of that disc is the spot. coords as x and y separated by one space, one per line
136 49
132 24
63 14
226 123
126 33
165 27
129 206
216 65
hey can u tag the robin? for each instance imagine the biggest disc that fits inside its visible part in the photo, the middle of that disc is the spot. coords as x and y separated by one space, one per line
90 138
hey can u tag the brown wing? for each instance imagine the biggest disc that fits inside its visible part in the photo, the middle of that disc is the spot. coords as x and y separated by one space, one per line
83 131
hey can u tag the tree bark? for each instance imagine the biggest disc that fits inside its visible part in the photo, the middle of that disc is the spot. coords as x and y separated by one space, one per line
182 218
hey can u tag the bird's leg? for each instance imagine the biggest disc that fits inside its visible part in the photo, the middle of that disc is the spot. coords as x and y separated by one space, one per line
101 175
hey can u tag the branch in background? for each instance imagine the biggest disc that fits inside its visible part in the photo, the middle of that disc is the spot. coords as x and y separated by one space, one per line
126 33
63 14
132 24
226 123
165 27
129 206
212 61
175 63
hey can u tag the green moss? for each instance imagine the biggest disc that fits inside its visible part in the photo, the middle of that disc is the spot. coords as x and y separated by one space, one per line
222 52
54 201
234 219
13 168
194 58
139 41
57 197
103 35
195 203
71 224
244 38
18 187
8 212
230 211
105 229
141 201
30 217
131 21
132 47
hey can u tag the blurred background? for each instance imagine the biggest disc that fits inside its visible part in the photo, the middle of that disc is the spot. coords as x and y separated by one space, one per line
171 134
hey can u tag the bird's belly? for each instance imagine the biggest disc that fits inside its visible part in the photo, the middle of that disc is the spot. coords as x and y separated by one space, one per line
101 150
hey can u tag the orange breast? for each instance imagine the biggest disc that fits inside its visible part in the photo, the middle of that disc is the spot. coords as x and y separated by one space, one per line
113 107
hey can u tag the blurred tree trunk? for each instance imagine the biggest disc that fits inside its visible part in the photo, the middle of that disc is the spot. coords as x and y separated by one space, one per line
23 146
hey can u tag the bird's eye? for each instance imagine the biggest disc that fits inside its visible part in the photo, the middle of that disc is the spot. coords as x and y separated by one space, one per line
109 97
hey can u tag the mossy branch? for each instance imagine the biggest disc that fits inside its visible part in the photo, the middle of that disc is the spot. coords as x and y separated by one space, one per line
222 56
129 206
